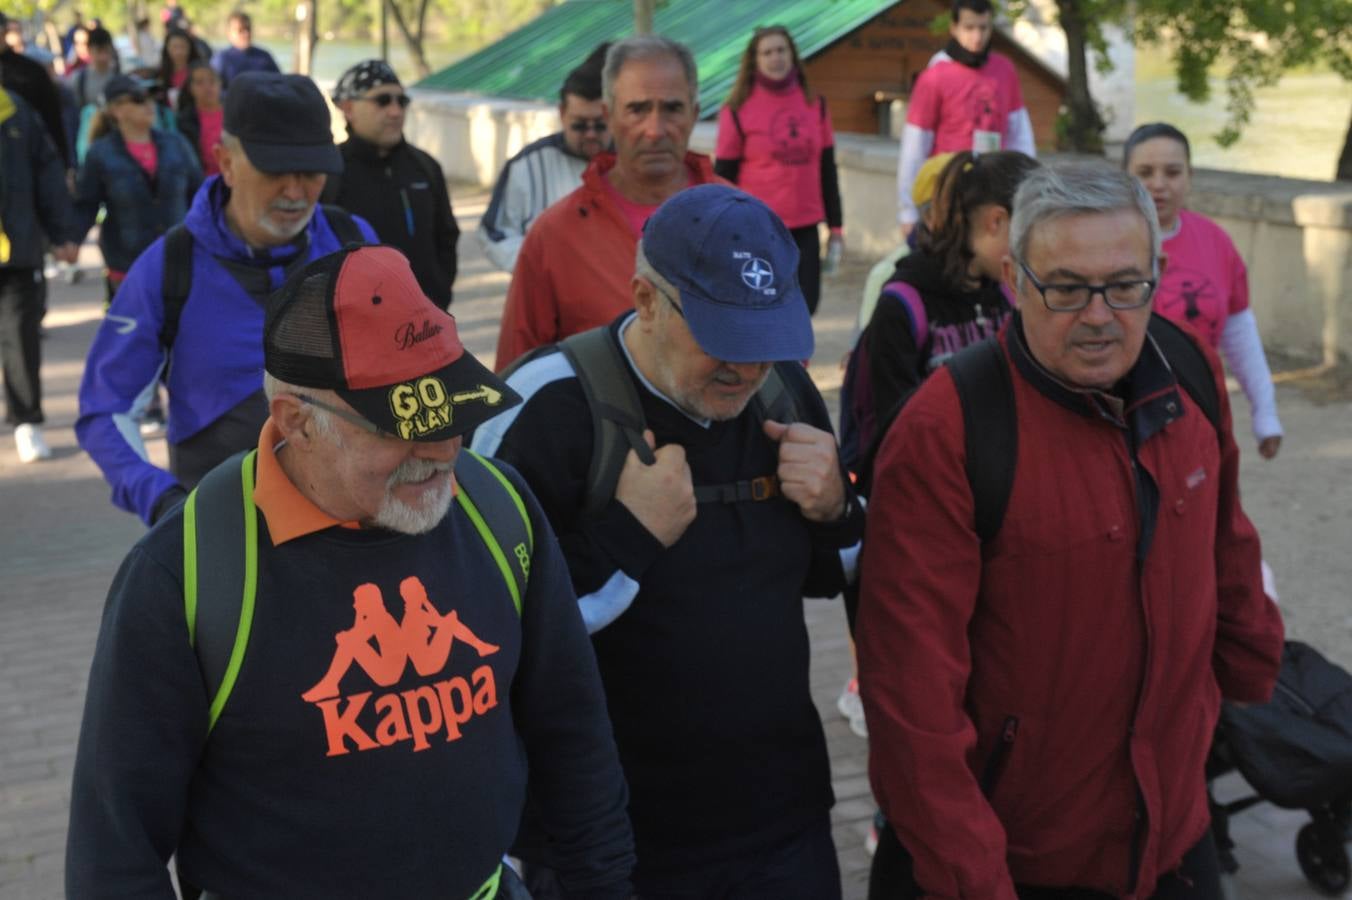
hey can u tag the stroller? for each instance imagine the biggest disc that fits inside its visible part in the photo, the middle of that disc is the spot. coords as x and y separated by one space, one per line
1296 752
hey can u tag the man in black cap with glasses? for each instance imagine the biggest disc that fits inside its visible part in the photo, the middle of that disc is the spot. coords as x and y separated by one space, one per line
190 312
389 182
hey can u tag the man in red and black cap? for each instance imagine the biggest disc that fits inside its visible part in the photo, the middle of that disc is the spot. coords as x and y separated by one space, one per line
404 664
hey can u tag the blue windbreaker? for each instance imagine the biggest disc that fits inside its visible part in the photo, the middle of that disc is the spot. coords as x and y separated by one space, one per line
218 354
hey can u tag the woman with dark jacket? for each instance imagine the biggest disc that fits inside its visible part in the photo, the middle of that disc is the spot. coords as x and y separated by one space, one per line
142 177
179 52
200 114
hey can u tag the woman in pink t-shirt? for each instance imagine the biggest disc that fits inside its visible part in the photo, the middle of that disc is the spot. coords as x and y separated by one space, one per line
201 115
1204 282
775 142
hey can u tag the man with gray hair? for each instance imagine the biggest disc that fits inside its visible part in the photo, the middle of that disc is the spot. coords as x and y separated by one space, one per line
1052 609
573 270
190 312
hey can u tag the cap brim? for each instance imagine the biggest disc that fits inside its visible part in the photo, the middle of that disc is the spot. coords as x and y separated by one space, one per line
466 394
279 159
750 334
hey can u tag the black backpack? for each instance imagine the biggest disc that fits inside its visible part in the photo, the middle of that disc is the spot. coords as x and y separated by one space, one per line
618 423
176 283
990 426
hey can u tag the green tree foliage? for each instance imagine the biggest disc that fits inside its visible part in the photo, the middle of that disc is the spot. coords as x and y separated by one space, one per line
1254 41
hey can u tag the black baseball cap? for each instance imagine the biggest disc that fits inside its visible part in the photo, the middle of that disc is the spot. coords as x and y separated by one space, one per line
125 86
283 123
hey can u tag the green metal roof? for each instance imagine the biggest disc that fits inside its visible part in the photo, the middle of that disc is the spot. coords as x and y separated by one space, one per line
531 63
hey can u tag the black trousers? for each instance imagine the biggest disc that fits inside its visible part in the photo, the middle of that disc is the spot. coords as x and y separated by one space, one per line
23 303
809 264
1198 876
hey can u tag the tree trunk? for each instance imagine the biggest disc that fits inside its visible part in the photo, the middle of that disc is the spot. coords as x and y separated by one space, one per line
643 16
307 36
1084 130
1345 159
414 41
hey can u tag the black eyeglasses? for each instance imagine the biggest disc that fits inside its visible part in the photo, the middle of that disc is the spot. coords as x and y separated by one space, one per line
582 126
384 100
1074 297
670 299
341 413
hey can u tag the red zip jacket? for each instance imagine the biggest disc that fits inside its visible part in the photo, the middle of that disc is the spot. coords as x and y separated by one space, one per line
575 266
1090 641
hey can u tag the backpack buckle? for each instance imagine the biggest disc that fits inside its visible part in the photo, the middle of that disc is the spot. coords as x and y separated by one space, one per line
764 487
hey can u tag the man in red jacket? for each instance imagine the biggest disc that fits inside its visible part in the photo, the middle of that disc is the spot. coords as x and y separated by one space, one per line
1040 704
574 268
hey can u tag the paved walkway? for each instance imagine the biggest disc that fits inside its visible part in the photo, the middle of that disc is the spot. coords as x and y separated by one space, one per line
61 542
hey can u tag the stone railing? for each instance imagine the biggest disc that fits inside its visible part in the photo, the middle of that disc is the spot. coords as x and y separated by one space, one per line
1295 236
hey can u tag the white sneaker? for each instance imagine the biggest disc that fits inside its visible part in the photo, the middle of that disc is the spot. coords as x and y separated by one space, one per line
852 708
30 443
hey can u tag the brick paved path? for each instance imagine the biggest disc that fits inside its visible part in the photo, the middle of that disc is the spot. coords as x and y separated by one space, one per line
61 541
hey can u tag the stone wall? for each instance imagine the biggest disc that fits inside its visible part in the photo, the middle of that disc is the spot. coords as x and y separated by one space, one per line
1295 236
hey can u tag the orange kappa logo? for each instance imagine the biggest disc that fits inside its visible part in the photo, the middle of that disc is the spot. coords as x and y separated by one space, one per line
383 648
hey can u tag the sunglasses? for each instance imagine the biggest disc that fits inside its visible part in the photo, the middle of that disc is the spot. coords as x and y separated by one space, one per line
131 98
582 126
384 100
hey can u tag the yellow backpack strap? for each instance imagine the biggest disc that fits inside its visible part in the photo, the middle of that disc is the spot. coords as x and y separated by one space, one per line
220 574
499 515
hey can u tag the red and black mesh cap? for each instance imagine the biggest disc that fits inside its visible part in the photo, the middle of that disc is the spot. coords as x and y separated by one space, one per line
357 323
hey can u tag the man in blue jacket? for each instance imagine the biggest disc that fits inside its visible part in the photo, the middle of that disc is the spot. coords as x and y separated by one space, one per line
248 229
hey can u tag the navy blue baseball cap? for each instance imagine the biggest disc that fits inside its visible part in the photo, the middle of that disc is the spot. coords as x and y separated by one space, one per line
736 266
283 123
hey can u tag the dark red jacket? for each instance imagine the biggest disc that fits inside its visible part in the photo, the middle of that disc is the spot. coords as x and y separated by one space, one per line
1097 632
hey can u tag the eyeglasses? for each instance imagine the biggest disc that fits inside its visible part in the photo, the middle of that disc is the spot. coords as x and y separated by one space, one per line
582 126
1074 297
343 414
670 299
384 100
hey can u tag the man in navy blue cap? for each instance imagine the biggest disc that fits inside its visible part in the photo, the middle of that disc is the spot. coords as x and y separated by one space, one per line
691 561
190 312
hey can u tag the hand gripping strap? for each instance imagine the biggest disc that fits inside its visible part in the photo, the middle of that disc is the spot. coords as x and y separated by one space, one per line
220 574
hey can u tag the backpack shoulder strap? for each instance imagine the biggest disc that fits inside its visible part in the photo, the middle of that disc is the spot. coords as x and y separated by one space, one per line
343 225
220 574
914 305
737 123
499 515
991 430
775 399
1189 365
617 414
176 281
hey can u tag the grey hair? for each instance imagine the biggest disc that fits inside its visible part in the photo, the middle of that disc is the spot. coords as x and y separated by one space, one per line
323 420
646 46
1051 192
644 269
230 142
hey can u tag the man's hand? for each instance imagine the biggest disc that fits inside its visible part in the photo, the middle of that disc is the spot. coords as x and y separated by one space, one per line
661 496
809 469
906 228
1268 446
68 252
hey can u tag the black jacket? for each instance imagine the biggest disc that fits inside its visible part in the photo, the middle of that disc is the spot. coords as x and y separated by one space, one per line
404 197
34 203
29 79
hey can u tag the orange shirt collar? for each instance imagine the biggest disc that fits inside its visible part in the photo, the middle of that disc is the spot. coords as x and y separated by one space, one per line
288 512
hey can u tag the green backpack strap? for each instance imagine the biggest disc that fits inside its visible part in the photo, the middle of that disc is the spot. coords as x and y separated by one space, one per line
617 414
499 514
219 587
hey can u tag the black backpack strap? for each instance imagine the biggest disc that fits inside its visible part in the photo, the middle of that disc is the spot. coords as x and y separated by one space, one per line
176 281
1189 366
343 225
775 399
500 517
220 573
991 430
737 123
617 414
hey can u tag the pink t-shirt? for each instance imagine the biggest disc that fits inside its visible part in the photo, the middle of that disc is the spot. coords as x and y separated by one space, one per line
780 146
636 214
1204 281
954 102
211 122
145 155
